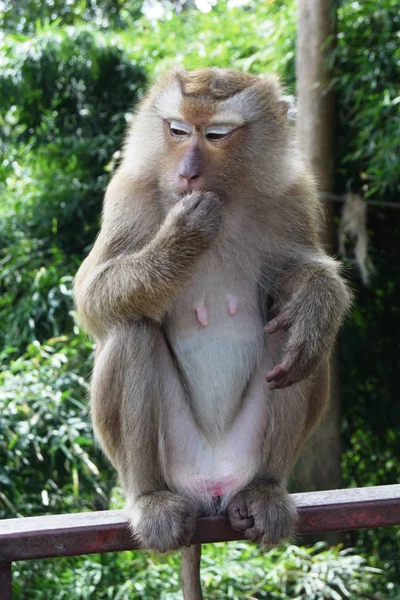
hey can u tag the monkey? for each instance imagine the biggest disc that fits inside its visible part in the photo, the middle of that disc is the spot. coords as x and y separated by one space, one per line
214 308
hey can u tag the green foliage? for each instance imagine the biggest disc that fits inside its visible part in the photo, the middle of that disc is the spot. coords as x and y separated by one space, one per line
45 437
26 16
259 37
70 72
235 571
65 94
368 83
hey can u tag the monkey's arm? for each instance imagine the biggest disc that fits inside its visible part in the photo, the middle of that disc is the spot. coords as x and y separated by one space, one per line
310 299
135 284
317 301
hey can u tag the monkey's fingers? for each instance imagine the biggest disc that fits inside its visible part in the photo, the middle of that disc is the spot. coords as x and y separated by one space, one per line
275 324
278 377
286 373
297 364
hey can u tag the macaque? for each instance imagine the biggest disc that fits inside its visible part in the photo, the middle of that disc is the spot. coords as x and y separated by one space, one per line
214 309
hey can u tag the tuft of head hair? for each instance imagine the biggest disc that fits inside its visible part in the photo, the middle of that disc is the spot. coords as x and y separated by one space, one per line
219 83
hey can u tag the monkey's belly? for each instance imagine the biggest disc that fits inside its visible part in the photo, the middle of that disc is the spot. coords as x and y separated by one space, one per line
223 459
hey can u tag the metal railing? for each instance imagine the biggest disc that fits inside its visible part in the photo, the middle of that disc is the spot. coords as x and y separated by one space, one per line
107 531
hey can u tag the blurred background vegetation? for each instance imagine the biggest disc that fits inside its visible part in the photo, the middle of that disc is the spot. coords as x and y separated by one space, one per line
70 71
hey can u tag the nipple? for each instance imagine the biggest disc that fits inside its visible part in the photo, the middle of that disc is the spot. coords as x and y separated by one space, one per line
201 313
233 304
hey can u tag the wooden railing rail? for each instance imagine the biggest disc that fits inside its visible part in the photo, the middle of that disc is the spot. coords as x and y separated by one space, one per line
107 531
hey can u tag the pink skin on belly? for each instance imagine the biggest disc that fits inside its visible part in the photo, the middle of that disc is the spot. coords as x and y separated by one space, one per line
221 488
216 491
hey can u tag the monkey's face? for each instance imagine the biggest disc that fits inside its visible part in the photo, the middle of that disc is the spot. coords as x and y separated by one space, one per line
220 129
200 151
202 139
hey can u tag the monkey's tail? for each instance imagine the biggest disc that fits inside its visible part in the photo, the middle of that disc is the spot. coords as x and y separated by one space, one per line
190 573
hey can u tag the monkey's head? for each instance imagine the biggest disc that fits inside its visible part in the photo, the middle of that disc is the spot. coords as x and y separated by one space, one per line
212 129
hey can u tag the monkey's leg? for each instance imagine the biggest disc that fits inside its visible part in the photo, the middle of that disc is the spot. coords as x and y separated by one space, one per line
263 510
127 409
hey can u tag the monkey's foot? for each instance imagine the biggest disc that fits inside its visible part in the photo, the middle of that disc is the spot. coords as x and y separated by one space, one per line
162 521
264 512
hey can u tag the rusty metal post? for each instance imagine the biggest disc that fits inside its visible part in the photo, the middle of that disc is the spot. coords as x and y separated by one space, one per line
5 581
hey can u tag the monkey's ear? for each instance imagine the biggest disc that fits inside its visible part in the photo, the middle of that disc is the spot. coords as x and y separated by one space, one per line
289 107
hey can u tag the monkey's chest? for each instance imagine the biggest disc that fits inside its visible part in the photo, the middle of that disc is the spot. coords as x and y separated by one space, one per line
218 342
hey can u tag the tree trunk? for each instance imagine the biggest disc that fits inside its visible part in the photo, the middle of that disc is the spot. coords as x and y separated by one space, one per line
319 466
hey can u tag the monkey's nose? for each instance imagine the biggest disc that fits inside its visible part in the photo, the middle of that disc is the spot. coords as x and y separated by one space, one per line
189 174
187 182
189 170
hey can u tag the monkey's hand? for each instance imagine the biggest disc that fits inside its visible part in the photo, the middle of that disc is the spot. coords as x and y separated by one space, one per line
196 217
309 341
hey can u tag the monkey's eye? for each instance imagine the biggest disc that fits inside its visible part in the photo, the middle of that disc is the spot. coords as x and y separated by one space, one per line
218 132
178 129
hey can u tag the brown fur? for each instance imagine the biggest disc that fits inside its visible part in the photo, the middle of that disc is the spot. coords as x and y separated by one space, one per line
177 376
214 83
